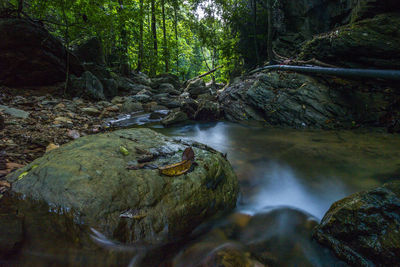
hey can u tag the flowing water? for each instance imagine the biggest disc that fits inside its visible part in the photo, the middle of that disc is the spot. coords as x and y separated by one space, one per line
288 178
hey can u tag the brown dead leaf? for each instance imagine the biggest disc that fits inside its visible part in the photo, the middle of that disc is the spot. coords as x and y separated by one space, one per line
188 154
13 166
51 146
176 169
5 184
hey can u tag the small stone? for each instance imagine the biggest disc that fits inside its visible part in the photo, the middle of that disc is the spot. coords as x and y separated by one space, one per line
91 111
114 108
73 134
59 106
118 100
61 120
14 112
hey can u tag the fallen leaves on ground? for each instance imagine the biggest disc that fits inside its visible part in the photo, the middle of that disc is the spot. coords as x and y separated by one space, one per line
51 147
53 119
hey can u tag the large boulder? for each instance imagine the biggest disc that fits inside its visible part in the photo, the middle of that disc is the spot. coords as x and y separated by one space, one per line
31 56
166 78
208 111
89 177
128 87
91 50
140 78
196 87
364 228
297 100
298 21
362 9
87 86
174 117
370 43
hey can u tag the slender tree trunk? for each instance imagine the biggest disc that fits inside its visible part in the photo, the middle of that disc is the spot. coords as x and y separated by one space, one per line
66 37
154 31
270 52
141 52
176 34
20 7
254 4
165 45
124 67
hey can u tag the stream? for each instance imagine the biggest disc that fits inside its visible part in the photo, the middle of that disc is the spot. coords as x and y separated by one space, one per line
288 178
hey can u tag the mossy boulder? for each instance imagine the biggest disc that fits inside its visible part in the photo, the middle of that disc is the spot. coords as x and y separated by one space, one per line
370 43
364 228
89 177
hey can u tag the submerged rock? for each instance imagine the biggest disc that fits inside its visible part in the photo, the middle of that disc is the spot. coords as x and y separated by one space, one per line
364 228
11 234
89 177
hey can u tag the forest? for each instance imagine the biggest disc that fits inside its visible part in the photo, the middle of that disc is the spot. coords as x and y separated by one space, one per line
179 133
185 38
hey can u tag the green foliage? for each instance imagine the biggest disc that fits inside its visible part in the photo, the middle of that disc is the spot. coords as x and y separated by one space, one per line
199 33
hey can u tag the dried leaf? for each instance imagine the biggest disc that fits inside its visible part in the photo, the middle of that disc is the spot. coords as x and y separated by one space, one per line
5 184
176 168
51 147
13 166
188 154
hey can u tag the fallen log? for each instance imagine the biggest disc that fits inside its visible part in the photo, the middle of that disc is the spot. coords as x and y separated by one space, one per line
342 72
207 73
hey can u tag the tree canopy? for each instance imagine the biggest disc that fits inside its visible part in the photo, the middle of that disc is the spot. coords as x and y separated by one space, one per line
185 38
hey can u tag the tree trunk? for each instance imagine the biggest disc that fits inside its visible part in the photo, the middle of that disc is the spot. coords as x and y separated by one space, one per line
154 31
20 7
254 3
176 33
141 52
165 45
270 52
123 64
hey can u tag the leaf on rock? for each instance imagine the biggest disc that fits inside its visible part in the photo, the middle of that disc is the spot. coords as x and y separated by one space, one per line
51 147
123 151
176 168
22 175
188 154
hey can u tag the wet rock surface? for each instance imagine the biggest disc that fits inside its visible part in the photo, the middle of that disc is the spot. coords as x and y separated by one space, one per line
89 176
370 43
297 100
364 228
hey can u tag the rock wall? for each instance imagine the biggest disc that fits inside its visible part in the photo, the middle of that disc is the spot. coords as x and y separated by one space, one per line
31 56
